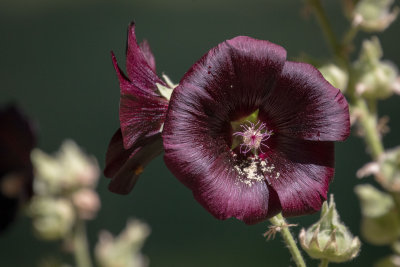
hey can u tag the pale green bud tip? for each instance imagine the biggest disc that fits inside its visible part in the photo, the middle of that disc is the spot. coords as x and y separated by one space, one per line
335 76
166 91
374 15
123 250
329 238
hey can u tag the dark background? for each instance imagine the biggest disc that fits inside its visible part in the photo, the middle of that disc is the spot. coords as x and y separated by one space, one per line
55 62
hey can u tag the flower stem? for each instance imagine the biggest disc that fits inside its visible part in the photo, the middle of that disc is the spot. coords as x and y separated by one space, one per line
326 27
324 263
367 118
81 249
279 221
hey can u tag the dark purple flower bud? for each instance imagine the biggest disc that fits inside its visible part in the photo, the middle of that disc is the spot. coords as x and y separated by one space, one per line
252 134
16 176
142 112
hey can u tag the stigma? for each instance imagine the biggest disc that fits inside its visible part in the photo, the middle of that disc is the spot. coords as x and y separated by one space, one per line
253 137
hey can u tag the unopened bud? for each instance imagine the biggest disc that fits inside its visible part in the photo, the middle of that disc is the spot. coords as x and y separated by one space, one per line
380 224
87 203
377 79
329 238
374 15
386 170
335 76
52 218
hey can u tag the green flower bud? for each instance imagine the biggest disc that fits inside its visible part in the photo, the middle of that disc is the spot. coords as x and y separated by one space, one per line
52 218
329 238
380 224
335 76
376 79
386 170
374 15
123 250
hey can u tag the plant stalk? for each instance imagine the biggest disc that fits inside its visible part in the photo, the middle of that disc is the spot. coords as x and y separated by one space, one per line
81 247
279 221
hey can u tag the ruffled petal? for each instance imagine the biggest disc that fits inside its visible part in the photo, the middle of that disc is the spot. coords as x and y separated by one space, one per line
140 63
302 171
141 111
304 105
125 166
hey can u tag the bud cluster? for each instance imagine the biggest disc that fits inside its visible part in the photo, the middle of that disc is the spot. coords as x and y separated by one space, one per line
64 188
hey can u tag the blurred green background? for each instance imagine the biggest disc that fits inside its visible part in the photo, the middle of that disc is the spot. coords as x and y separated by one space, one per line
55 62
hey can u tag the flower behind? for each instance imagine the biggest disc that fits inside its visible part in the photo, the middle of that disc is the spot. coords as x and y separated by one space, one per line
296 114
142 113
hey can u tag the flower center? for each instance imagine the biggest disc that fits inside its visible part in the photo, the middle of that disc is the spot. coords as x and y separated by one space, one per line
253 136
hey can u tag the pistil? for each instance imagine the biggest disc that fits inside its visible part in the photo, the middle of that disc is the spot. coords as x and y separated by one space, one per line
253 137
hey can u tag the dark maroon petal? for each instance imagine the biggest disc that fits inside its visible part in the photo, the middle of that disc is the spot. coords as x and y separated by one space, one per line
140 71
304 105
215 185
302 172
116 155
146 50
141 111
237 74
125 166
230 81
17 139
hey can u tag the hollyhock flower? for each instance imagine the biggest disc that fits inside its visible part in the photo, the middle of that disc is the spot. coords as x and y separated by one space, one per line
252 134
142 110
16 142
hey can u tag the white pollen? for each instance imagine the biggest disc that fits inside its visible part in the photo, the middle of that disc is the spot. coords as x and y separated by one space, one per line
253 170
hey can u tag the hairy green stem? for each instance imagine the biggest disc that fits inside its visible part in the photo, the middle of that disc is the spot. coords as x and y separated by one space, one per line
81 248
324 263
279 221
369 124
